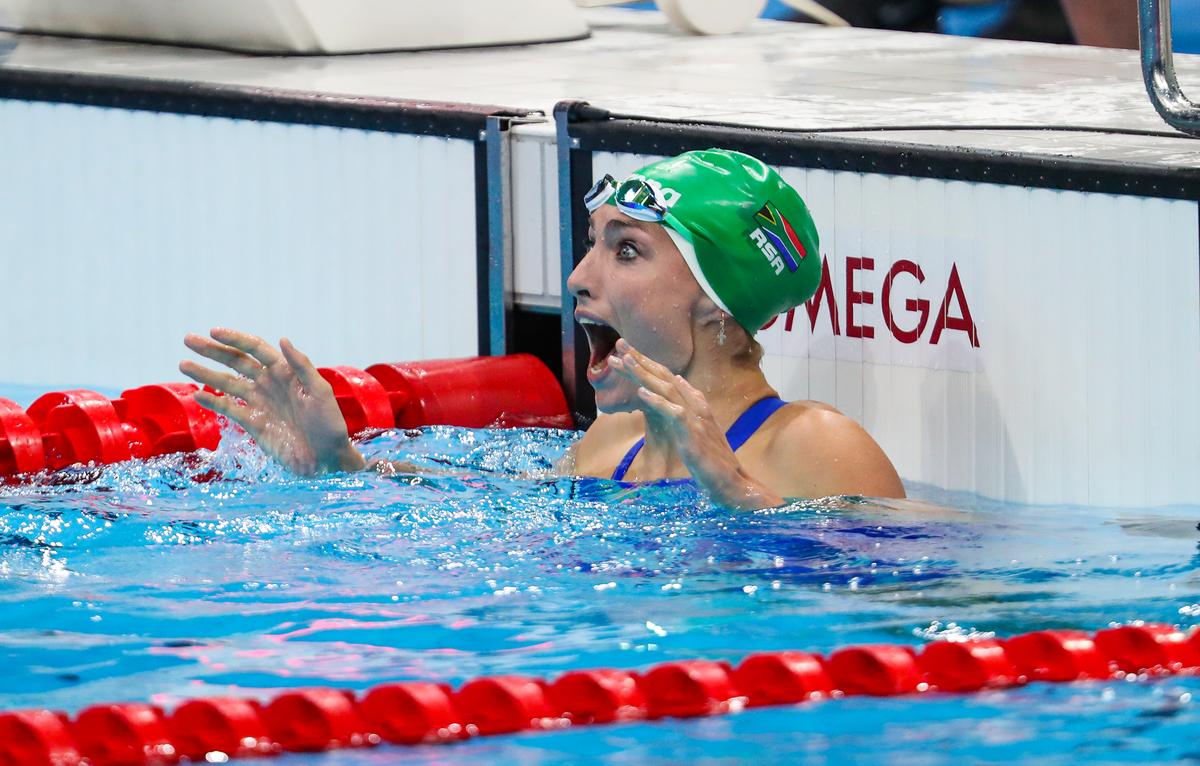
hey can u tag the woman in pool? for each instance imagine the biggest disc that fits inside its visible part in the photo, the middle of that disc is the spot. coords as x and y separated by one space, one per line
689 257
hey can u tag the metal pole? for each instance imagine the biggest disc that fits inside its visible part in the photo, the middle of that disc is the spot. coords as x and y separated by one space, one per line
499 234
1158 68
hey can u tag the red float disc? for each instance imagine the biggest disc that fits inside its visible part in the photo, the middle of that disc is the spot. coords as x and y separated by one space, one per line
21 448
130 734
79 426
361 398
479 392
689 688
781 678
1056 655
225 725
878 670
36 738
314 719
409 713
962 666
1147 648
598 696
169 418
505 704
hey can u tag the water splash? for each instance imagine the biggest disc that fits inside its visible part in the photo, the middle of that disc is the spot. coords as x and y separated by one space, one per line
221 572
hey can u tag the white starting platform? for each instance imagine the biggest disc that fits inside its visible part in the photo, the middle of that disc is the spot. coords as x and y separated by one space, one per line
302 26
1011 234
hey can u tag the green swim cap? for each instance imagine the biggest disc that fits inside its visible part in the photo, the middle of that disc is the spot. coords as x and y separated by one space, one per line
745 233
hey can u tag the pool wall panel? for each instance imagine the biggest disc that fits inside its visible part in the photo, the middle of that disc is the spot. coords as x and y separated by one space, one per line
537 270
1087 315
122 230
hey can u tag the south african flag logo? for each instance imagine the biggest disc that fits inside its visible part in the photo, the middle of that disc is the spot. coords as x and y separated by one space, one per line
782 236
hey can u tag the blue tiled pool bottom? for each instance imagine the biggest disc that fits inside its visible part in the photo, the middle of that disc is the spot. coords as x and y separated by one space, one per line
192 576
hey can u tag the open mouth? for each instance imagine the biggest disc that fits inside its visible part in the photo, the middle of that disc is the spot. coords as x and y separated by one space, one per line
603 341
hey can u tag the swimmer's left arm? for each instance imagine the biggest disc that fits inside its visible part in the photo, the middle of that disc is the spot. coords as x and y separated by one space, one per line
684 412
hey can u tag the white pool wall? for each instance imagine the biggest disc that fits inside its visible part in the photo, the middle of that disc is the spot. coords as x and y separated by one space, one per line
1082 387
120 231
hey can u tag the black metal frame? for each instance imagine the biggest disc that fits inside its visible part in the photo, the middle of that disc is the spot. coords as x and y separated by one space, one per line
574 179
483 252
828 152
247 103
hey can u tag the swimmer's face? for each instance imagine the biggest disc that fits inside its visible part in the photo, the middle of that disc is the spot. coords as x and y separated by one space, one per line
633 284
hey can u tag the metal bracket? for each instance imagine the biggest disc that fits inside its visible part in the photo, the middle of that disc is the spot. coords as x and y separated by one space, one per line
500 226
1158 68
500 269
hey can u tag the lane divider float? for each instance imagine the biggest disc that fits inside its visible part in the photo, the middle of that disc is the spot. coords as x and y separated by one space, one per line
216 729
79 427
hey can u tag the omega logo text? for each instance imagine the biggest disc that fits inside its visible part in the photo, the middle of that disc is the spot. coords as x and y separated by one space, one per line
906 319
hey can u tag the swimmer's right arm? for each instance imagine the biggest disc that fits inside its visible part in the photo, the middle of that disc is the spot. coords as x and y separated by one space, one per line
286 406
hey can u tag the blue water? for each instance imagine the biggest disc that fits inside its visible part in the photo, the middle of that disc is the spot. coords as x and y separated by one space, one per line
220 573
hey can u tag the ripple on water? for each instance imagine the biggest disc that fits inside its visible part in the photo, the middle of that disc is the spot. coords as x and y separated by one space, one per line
199 574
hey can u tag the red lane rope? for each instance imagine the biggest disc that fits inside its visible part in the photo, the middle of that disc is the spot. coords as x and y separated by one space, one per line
307 720
73 427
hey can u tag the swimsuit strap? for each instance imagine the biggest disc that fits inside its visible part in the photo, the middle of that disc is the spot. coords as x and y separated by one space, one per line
742 429
751 420
623 466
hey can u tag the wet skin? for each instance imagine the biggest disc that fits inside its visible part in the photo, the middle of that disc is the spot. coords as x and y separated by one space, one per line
667 365
671 380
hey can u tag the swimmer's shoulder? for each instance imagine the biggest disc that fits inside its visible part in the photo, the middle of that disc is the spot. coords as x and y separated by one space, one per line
801 417
814 450
606 441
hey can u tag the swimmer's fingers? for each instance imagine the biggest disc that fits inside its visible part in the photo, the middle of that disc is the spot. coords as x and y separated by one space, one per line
221 381
644 371
238 361
692 397
651 366
661 404
306 373
227 406
253 345
644 376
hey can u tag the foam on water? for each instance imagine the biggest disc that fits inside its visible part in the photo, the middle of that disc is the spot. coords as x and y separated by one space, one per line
194 575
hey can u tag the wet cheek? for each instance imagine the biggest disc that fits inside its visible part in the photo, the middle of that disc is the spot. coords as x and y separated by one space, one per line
666 336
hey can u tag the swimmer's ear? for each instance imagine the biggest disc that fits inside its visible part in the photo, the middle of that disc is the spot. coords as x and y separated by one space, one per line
709 313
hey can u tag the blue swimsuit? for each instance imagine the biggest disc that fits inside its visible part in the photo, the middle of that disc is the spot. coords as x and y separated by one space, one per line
742 429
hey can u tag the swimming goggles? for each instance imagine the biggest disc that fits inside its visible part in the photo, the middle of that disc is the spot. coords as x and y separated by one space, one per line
635 198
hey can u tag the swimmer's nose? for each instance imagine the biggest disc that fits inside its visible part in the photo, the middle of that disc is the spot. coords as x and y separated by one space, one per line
577 282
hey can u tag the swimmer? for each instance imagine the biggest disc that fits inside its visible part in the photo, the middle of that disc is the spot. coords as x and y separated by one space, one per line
688 258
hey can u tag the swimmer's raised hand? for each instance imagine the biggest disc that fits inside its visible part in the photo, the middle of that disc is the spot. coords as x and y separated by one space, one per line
289 408
675 407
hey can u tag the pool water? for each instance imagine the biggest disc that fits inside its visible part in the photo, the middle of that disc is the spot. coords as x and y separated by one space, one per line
217 573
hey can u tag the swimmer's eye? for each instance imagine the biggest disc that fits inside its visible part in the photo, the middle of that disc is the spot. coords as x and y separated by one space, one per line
627 251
